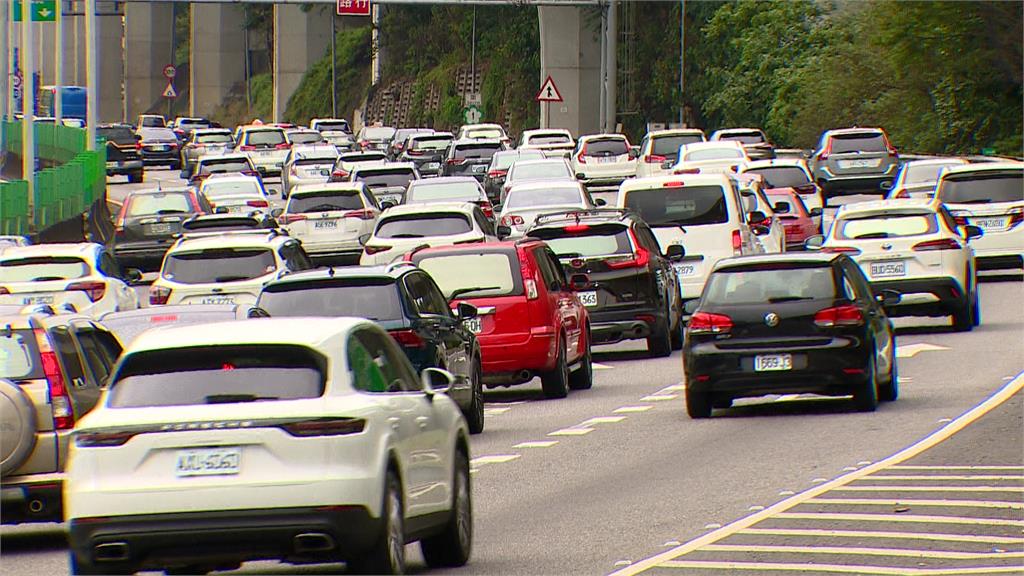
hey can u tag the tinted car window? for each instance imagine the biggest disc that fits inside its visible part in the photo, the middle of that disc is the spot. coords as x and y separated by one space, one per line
219 265
432 143
549 139
886 226
425 297
389 178
608 147
870 142
265 137
921 173
162 203
596 240
118 134
713 154
492 274
43 268
18 355
217 375
781 176
982 188
668 146
743 137
770 284
680 206
463 151
420 225
325 201
213 138
373 298
305 137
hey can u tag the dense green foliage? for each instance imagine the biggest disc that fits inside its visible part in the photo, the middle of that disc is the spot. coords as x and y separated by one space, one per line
313 97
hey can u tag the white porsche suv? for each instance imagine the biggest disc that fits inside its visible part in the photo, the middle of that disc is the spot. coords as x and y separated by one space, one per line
990 196
304 440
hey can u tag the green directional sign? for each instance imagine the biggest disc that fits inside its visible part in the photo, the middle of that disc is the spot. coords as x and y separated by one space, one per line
42 10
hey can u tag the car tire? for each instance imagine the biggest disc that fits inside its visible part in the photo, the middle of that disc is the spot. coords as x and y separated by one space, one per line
453 546
659 343
890 390
136 177
865 391
698 404
583 377
387 555
475 414
963 316
556 382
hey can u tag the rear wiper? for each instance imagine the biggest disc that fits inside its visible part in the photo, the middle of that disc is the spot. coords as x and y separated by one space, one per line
234 278
48 278
777 299
460 291
170 211
407 235
871 235
976 201
232 398
323 208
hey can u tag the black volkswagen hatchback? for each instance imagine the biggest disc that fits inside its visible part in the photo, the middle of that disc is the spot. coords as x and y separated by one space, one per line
789 324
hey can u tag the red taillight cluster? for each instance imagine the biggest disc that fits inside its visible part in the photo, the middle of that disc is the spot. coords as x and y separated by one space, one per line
848 315
497 173
4 290
246 148
826 151
486 207
654 159
940 244
60 400
159 295
94 290
840 250
407 338
805 189
512 220
258 203
1016 217
708 323
289 218
325 427
639 259
366 214
529 284
371 250
737 242
413 152
339 174
283 146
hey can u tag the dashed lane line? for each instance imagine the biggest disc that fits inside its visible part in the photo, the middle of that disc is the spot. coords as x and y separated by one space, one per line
631 409
571 432
536 444
860 551
888 488
911 350
914 518
931 536
494 459
917 502
601 420
718 567
598 366
659 397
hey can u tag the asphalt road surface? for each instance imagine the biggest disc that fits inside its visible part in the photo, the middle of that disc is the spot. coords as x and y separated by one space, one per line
618 478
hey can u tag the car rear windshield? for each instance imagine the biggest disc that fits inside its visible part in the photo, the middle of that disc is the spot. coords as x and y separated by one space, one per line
776 283
865 142
502 161
119 135
362 157
219 265
668 146
213 138
606 147
379 133
925 173
325 201
752 137
128 326
151 122
489 273
217 375
373 298
43 268
434 143
983 187
545 171
586 241
549 139
446 191
485 151
781 176
526 198
422 225
158 135
19 355
233 188
888 225
315 161
680 205
305 137
159 203
265 137
395 177
713 154
226 165
327 126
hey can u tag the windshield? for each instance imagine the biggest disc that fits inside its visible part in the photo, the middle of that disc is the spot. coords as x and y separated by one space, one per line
743 137
373 298
325 201
265 137
18 353
118 134
423 225
781 176
713 154
545 171
485 151
228 165
778 283
213 188
161 203
983 187
480 133
440 143
679 206
596 240
668 146
390 179
870 142
605 148
536 197
925 173
892 225
380 133
217 375
328 125
549 139
447 191
219 265
305 137
497 272
43 268
213 138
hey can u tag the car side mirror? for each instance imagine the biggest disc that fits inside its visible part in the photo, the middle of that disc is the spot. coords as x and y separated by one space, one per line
781 207
815 212
503 231
465 311
600 202
363 239
756 218
133 275
276 212
971 232
387 204
436 381
675 252
814 242
257 312
888 297
579 282
690 306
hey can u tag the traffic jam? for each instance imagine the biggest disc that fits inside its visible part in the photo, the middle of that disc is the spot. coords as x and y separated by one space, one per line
288 354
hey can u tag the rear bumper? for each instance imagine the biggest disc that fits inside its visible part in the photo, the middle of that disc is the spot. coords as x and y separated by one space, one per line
33 498
838 184
604 182
923 296
504 354
998 262
609 327
223 537
159 156
123 167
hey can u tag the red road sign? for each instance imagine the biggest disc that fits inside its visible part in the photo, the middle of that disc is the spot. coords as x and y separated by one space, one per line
549 92
170 71
353 7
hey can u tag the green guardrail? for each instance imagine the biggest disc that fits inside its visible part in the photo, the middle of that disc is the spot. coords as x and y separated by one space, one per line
59 192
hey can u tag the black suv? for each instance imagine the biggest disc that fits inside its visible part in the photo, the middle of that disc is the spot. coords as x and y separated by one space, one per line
149 223
407 303
427 151
630 289
470 157
123 157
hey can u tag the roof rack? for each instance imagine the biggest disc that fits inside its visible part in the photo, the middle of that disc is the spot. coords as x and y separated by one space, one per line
398 264
581 214
270 233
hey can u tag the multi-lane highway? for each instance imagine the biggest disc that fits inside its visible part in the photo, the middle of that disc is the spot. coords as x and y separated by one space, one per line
618 478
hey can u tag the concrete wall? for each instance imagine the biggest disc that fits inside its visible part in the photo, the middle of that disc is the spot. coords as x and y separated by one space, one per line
148 48
111 62
302 38
570 52
218 55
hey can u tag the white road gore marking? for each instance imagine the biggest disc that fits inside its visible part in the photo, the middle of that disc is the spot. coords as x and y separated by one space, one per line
673 388
916 502
536 444
631 409
659 397
601 420
597 366
495 459
862 551
721 567
936 536
943 477
911 350
957 468
922 519
888 488
571 432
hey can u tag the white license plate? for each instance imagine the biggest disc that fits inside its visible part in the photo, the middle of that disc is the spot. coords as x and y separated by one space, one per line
773 362
607 159
161 228
396 198
218 300
474 325
28 300
111 164
325 225
861 163
265 153
989 223
588 299
208 461
891 269
431 165
687 269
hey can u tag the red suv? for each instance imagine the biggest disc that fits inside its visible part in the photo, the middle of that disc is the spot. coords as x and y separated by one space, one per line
530 321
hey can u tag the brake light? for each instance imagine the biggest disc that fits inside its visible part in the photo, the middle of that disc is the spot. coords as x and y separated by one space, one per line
673 184
497 173
289 218
246 148
805 189
339 174
708 323
654 159
412 152
375 249
102 439
576 228
4 290
283 146
364 143
529 284
94 290
580 157
848 315
366 214
960 216
325 427
60 401
512 220
840 250
826 152
407 338
639 259
686 171
486 207
737 242
531 288
941 244
159 295
258 203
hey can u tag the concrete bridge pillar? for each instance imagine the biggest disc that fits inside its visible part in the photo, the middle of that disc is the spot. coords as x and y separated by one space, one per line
149 32
300 39
217 61
570 52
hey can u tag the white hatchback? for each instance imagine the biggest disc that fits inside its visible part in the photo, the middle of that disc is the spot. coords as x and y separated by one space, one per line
305 440
603 161
991 197
710 158
83 277
524 202
404 228
330 218
660 148
552 142
236 194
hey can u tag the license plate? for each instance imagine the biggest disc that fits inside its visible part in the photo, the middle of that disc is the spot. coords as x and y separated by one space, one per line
607 160
265 153
474 325
325 225
111 164
687 270
888 269
588 299
773 362
860 163
208 461
37 300
989 223
161 228
432 165
218 300
396 198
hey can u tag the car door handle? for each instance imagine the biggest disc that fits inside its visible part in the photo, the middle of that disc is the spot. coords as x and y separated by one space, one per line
395 421
422 421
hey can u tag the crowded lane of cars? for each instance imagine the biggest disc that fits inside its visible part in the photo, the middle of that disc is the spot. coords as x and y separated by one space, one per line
457 294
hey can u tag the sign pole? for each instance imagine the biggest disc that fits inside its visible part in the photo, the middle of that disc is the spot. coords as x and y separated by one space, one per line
58 62
92 76
28 91
334 69
5 71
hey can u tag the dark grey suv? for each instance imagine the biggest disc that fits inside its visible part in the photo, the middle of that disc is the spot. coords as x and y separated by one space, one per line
854 161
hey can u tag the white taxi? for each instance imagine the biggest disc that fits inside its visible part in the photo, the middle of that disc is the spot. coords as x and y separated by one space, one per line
408 226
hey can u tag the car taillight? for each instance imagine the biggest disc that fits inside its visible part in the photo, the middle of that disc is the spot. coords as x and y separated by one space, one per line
737 242
708 323
531 288
826 151
159 295
366 214
486 207
4 290
1016 217
138 145
581 158
455 161
888 146
283 146
960 216
686 171
60 401
654 159
497 173
102 439
246 148
941 244
805 189
412 152
94 290
840 250
639 259
258 203
407 338
375 249
529 284
848 315
512 220
364 143
325 427
289 218
339 174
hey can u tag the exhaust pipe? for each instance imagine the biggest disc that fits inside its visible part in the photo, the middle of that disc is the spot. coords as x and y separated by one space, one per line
111 552
312 542
525 375
35 506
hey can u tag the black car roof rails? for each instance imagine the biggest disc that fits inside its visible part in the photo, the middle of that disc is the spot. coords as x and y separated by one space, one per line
270 233
581 214
401 263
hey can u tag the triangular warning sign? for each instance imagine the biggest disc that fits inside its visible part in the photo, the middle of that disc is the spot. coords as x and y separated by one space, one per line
549 92
169 92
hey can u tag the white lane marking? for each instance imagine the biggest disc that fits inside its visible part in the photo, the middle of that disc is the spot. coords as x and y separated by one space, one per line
931 489
899 552
819 480
623 563
756 508
911 350
673 388
631 409
903 379
943 477
597 366
601 420
571 432
659 397
900 518
786 493
536 444
917 502
713 526
956 467
494 459
787 397
836 568
495 411
863 462
849 469
670 543
943 420
937 536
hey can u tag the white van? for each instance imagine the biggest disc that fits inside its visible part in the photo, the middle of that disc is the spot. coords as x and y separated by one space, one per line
704 213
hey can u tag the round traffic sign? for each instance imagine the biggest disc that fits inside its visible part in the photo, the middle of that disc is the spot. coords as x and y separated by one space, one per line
170 71
16 81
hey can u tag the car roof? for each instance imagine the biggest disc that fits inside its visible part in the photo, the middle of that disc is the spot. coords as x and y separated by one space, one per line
546 185
777 258
227 177
711 144
430 135
543 131
675 132
262 128
754 164
41 250
327 187
929 161
404 209
310 332
258 238
726 131
854 130
983 167
882 206
480 126
386 166
321 150
603 136
201 131
479 141
478 246
684 179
